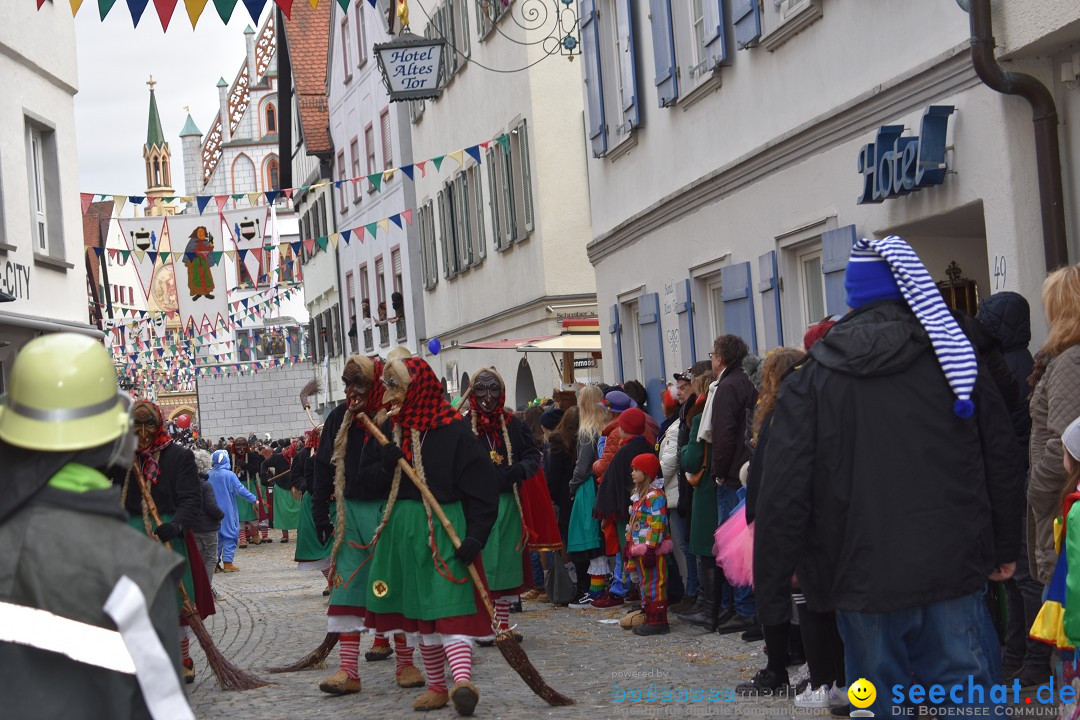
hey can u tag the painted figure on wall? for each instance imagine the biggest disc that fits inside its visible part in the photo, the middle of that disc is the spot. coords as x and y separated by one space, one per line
197 259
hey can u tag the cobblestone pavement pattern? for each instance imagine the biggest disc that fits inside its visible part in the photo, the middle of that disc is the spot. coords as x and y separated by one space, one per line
272 614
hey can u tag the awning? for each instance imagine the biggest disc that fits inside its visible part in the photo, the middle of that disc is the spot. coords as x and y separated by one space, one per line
570 342
49 325
506 344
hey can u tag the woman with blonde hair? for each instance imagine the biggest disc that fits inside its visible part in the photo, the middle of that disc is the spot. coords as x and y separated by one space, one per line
1055 402
583 541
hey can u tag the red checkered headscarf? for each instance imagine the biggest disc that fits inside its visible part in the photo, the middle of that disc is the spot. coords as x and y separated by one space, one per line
148 458
425 407
489 423
312 442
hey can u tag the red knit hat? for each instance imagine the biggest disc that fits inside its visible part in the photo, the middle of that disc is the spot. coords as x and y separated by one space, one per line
632 422
648 464
816 332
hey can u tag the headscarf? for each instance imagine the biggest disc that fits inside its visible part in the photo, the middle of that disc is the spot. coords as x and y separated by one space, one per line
374 401
312 441
425 407
148 457
489 423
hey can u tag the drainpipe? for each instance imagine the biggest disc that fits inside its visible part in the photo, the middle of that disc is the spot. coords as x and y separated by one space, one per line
1044 118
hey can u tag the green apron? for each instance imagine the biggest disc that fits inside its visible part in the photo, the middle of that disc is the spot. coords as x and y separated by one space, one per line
502 553
177 545
703 518
286 509
403 578
308 547
584 530
245 510
361 519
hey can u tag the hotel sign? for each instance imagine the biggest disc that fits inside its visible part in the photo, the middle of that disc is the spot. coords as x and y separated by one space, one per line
896 164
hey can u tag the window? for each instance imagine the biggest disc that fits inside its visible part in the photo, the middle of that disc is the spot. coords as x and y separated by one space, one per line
813 286
716 306
380 281
461 221
608 51
365 309
451 21
426 222
345 48
488 13
387 143
286 267
271 119
416 110
781 20
244 176
37 189
273 173
354 153
369 142
395 263
361 32
510 187
341 181
697 24
380 291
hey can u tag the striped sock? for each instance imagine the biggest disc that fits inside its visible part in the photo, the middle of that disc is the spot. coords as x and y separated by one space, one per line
403 654
326 574
434 667
596 585
185 646
242 539
350 651
265 530
502 612
381 641
460 656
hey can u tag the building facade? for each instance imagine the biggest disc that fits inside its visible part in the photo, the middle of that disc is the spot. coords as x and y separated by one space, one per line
43 270
380 278
502 235
734 158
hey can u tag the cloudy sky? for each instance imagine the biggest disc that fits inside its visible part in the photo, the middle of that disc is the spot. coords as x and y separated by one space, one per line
116 60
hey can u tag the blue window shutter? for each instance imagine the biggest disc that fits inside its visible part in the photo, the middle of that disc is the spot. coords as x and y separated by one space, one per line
738 303
594 81
684 308
770 300
631 112
615 328
746 17
663 43
835 249
652 351
715 42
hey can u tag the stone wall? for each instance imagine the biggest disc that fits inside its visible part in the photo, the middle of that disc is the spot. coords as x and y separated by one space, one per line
267 402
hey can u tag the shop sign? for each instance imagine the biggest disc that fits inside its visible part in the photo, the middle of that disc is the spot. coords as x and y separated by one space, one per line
897 164
15 279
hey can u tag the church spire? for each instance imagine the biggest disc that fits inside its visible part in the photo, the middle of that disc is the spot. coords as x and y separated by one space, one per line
154 135
157 156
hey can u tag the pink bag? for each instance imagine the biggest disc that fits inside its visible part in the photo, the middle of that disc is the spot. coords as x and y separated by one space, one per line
733 548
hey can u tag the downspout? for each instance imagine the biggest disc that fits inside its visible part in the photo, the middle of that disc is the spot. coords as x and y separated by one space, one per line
1044 118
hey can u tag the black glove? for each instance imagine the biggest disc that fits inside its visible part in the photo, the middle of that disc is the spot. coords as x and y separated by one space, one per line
167 531
324 533
391 453
516 474
648 560
468 550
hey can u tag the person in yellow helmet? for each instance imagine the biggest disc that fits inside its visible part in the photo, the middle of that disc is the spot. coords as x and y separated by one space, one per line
82 624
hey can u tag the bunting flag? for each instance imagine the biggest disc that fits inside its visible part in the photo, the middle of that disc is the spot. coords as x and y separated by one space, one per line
437 161
75 5
474 153
376 181
86 199
145 238
200 278
165 10
407 169
104 6
254 8
118 204
136 7
202 201
224 9
248 227
194 10
458 156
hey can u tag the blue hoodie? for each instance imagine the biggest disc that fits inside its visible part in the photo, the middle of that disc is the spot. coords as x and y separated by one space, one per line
226 488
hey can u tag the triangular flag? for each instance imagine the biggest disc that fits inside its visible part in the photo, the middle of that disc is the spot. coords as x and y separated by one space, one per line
407 214
202 201
344 5
194 10
254 8
118 204
136 7
231 254
221 200
333 237
286 7
288 193
150 202
314 4
164 255
165 10
136 199
371 228
384 225
484 145
459 156
86 199
253 198
396 219
375 180
504 140
438 161
237 196
75 5
346 234
272 195
474 153
104 6
423 167
408 170
296 247
322 241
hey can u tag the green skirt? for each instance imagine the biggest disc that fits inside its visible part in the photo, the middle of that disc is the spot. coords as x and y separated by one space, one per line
245 510
286 510
584 532
308 547
361 519
502 553
177 546
703 518
403 578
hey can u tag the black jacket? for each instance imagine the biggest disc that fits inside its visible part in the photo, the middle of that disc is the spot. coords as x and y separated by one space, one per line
686 490
613 494
1007 317
526 454
177 491
874 491
209 520
322 488
757 465
297 478
273 466
732 402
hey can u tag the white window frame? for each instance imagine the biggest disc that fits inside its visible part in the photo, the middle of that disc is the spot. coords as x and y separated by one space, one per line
803 256
782 20
488 13
615 70
39 200
428 245
361 35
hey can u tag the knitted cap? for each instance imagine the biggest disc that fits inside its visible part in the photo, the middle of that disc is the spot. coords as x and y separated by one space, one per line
1071 438
551 418
648 464
632 422
868 279
954 352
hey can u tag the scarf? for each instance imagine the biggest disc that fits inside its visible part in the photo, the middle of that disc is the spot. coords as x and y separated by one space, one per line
148 458
374 402
425 407
954 352
312 442
490 423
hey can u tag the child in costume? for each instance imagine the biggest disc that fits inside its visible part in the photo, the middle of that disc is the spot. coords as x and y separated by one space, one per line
648 541
227 487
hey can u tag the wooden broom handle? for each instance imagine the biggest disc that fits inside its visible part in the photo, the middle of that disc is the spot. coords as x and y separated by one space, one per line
426 493
151 507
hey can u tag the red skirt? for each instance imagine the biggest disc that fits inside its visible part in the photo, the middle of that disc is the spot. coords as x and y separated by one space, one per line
538 514
204 595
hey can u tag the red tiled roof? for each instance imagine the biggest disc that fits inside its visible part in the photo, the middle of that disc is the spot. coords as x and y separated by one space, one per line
309 35
92 230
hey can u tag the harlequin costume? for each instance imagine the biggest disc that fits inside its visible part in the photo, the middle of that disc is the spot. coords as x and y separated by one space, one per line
417 583
173 478
514 453
648 542
359 509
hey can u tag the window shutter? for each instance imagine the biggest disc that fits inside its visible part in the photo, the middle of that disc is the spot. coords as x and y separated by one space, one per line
715 42
594 83
835 249
770 300
663 42
652 350
684 308
746 17
615 329
395 261
442 235
526 177
631 113
493 196
461 211
506 185
478 209
738 303
463 39
387 140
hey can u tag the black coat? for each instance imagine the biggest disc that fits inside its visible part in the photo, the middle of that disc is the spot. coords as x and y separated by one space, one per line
1007 317
613 494
686 490
875 492
297 478
209 520
733 401
558 470
273 466
757 465
323 472
526 454
177 491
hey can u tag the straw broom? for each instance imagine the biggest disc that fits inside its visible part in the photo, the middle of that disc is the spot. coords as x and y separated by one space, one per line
506 642
229 676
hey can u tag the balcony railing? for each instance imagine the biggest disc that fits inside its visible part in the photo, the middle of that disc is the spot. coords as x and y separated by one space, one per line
384 334
401 329
369 341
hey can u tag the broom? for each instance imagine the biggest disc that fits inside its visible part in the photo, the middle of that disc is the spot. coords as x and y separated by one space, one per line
313 659
506 642
229 676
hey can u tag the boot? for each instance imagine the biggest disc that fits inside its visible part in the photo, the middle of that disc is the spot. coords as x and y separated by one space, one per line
632 619
431 700
340 684
708 613
464 695
409 677
229 567
655 620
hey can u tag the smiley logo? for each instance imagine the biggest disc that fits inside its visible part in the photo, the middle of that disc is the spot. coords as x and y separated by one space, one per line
862 693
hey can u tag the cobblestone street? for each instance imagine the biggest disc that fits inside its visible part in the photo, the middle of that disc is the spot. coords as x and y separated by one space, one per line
272 614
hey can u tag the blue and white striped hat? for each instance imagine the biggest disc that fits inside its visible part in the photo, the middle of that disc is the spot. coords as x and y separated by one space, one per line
954 351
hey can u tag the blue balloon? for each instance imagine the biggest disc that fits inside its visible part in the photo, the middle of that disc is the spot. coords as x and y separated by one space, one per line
434 346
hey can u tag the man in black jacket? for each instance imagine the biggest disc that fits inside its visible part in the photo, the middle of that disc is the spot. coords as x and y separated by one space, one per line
891 485
274 471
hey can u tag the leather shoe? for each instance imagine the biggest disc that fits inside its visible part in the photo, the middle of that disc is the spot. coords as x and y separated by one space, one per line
737 623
